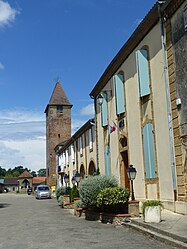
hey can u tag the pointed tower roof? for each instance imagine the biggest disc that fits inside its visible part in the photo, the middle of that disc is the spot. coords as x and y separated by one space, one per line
25 174
58 97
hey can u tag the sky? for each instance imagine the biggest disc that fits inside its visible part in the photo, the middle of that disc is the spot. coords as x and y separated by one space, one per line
42 41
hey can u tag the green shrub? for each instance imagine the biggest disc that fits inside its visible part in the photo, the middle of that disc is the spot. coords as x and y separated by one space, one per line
68 191
113 200
60 191
91 186
74 193
151 203
79 204
61 200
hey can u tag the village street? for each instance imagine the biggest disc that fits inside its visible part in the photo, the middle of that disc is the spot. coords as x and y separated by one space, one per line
42 224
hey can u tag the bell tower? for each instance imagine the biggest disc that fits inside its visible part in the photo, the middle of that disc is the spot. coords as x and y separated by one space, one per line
58 128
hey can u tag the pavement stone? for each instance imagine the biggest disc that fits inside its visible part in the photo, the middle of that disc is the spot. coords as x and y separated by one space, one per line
172 228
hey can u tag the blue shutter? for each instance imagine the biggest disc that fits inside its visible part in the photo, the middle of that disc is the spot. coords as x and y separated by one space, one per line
149 151
143 72
104 111
107 160
119 94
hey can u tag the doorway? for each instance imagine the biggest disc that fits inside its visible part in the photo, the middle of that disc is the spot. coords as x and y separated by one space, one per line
124 168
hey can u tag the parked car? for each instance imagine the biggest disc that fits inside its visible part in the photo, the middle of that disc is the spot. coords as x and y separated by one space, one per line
42 192
29 191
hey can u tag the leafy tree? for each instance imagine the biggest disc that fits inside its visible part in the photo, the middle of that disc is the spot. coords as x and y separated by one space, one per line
33 173
2 172
41 172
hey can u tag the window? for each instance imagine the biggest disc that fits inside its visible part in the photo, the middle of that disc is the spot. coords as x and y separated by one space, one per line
60 108
104 110
90 139
107 160
81 146
143 72
72 153
149 151
119 93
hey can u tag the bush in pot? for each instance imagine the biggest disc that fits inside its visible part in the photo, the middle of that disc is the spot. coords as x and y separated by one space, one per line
74 193
61 201
113 200
91 186
60 192
151 210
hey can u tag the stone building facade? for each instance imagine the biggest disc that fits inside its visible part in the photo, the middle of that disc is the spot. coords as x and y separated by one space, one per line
174 17
58 129
143 93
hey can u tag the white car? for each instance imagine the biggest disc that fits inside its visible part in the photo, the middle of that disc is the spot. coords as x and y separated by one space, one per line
42 192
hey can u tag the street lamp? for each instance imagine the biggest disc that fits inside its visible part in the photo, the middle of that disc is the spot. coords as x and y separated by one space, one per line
131 172
73 180
66 179
18 186
77 178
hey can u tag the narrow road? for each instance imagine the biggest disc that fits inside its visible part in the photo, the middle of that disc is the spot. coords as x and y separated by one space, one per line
27 223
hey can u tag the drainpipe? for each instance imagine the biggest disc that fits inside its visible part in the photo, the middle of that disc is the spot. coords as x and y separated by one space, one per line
96 134
167 99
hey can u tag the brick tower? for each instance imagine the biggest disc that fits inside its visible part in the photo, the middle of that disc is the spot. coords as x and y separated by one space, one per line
58 129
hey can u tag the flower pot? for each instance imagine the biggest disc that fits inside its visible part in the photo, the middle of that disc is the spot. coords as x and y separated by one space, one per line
152 214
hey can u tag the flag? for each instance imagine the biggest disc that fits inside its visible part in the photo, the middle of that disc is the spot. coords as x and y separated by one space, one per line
112 128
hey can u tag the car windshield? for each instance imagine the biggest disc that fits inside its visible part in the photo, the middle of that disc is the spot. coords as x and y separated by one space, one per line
43 188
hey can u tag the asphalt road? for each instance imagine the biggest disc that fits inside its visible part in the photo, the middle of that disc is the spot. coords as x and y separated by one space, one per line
26 223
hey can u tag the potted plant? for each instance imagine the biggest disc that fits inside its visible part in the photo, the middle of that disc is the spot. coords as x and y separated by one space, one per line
151 210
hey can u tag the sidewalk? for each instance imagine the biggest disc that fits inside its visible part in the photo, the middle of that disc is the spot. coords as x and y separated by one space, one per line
172 229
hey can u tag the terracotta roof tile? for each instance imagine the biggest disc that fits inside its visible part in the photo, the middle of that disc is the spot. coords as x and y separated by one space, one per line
25 174
38 179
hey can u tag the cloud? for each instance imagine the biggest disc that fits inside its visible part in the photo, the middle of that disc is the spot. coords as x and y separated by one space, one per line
21 125
28 153
7 14
22 139
76 124
88 110
2 66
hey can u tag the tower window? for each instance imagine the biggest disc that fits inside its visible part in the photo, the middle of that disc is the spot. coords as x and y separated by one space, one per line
60 108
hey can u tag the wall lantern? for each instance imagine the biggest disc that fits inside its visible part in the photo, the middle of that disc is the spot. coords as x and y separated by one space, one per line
66 179
131 173
73 180
100 99
77 177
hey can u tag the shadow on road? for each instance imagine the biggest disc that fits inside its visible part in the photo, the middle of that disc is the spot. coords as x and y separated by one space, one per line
4 205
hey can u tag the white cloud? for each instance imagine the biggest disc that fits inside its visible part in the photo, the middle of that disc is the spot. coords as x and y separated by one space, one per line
76 124
2 66
7 14
28 153
22 139
88 110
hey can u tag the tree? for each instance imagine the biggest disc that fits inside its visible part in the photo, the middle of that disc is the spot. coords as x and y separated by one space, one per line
2 172
41 172
33 173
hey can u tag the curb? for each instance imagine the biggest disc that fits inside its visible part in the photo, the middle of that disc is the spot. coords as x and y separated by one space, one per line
158 234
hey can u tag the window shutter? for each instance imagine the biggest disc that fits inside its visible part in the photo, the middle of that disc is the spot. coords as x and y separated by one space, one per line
149 151
143 72
104 111
107 160
119 94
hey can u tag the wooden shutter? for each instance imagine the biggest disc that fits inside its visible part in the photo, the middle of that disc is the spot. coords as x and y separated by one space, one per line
107 160
143 72
149 151
119 94
104 111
